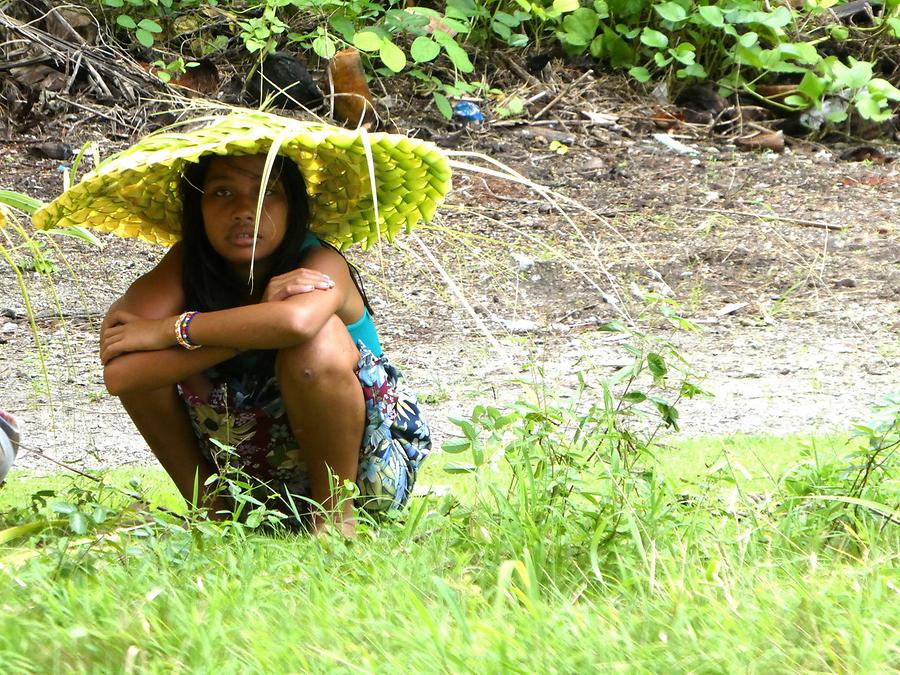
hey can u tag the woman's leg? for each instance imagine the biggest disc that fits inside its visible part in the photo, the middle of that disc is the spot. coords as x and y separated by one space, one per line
162 419
326 410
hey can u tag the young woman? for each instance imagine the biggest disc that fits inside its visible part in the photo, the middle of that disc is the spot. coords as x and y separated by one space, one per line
253 347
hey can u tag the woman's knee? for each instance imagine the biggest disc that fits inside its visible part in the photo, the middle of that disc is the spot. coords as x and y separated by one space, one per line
150 399
331 353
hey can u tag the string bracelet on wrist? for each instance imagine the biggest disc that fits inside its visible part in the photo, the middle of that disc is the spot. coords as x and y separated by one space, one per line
182 326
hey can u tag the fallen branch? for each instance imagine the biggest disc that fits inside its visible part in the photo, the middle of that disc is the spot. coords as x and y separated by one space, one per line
769 216
565 90
103 64
518 70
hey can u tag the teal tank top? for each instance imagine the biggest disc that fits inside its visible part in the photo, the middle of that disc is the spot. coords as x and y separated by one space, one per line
363 329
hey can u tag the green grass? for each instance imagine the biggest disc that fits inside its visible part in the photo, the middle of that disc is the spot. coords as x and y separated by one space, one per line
496 582
758 462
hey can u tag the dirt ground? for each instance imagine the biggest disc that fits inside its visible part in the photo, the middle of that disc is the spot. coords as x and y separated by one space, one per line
799 323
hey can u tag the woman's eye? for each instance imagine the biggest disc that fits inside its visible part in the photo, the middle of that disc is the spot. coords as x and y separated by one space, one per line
222 192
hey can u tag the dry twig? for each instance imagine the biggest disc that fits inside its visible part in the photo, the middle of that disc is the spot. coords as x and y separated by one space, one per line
105 64
769 216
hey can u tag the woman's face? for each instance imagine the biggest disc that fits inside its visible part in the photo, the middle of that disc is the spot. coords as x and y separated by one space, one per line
230 196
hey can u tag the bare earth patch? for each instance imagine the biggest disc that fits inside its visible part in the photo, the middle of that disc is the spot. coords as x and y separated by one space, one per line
799 323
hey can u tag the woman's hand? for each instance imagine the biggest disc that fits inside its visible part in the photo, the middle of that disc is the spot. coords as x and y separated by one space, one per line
300 280
123 332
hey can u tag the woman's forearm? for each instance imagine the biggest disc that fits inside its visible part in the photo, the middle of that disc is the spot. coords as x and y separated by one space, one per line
268 325
137 371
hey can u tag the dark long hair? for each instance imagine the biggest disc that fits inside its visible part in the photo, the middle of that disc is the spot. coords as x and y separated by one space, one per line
209 283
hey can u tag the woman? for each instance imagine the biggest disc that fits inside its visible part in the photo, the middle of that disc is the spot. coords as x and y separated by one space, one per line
251 344
311 386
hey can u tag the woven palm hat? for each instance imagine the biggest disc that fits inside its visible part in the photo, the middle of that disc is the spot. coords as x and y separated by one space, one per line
135 193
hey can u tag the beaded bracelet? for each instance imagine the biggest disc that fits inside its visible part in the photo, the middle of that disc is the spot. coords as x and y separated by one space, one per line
182 323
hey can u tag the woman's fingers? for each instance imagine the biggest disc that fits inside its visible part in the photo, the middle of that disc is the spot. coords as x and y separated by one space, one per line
295 282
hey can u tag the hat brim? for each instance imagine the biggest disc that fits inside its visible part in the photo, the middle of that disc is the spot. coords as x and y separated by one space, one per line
135 193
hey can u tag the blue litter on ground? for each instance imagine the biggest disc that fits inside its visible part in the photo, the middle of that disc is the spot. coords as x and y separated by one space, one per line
467 112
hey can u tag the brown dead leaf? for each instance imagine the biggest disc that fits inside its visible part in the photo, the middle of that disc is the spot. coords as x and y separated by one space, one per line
762 140
40 76
666 120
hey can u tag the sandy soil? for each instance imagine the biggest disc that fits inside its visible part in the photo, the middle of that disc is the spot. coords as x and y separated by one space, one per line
798 323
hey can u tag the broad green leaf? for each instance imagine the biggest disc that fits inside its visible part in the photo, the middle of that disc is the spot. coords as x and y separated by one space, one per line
796 101
27 529
617 50
324 47
748 39
671 11
563 6
515 105
501 29
803 52
443 105
456 445
506 19
653 38
836 116
691 390
601 8
517 40
712 15
883 89
126 21
460 28
692 70
778 18
144 37
657 365
367 41
881 509
839 33
871 109
812 86
78 523
894 25
581 26
392 56
114 3
424 49
455 53
622 373
856 76
684 53
639 73
343 26
150 26
613 327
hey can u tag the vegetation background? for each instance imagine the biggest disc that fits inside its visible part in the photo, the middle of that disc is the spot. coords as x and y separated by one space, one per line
567 523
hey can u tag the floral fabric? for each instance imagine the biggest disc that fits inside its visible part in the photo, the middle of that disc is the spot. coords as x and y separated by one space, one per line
243 424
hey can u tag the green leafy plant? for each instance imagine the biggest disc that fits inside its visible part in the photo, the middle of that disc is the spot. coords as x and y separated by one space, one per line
573 468
167 71
15 240
137 20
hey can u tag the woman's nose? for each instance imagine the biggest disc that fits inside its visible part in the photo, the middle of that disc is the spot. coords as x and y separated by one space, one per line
243 209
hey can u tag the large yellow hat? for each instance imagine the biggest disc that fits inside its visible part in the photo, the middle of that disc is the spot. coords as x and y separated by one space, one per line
135 192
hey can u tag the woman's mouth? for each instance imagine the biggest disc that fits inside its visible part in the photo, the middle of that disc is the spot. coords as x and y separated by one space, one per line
242 238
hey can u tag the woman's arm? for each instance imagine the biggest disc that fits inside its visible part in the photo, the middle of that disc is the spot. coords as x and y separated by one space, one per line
267 325
155 295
